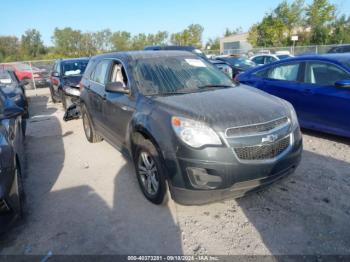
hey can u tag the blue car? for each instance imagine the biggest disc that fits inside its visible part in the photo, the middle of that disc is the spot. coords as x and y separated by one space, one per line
318 86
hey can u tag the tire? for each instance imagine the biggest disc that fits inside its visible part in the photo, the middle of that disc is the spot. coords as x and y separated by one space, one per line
89 129
16 199
24 127
53 99
65 103
151 175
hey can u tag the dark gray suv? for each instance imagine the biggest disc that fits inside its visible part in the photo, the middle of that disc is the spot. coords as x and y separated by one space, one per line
187 126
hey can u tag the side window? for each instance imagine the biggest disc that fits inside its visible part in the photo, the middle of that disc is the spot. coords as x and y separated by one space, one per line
324 74
99 75
57 68
118 74
259 60
287 72
269 59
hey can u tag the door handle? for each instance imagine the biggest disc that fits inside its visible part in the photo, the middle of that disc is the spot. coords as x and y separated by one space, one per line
126 108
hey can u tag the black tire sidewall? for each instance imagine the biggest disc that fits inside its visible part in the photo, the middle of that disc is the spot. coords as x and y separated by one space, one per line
83 113
147 146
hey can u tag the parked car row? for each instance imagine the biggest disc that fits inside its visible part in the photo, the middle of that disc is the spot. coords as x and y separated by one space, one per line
24 71
13 114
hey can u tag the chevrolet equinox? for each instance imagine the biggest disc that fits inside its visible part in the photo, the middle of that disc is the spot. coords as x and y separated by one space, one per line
188 128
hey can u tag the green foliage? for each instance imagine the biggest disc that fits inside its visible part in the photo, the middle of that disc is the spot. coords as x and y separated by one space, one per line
9 48
31 44
235 31
315 23
192 35
214 44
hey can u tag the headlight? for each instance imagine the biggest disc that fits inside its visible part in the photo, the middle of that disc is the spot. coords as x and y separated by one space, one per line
72 91
193 133
293 114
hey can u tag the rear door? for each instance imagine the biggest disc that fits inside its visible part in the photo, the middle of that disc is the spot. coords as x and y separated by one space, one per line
96 94
326 106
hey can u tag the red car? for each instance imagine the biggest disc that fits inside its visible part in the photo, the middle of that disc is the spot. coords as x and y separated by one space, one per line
24 72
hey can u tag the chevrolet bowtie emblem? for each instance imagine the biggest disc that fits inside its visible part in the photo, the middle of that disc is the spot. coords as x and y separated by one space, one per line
269 139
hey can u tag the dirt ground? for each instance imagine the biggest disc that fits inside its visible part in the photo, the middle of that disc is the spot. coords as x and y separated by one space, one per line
83 198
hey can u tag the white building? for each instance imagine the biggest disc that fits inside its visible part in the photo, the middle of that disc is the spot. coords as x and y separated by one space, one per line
235 44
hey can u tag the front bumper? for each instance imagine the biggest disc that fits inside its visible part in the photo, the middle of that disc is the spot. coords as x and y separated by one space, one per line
238 178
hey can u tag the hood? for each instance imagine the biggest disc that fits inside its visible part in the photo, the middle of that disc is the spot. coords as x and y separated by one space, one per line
223 108
72 81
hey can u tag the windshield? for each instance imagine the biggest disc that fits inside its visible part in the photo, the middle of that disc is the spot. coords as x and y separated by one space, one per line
240 62
74 68
180 74
5 77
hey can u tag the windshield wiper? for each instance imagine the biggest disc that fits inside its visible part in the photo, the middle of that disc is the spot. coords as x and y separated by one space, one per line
212 86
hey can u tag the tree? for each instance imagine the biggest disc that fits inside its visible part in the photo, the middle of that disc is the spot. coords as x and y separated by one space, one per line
102 40
67 42
31 44
192 35
213 43
341 30
291 16
320 14
121 41
235 31
9 48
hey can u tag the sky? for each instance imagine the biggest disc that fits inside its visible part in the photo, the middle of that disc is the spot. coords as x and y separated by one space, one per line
136 16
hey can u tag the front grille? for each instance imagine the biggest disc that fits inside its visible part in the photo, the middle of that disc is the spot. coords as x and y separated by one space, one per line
257 128
263 152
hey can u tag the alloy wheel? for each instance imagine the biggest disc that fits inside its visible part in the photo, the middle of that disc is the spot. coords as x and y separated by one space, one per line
148 172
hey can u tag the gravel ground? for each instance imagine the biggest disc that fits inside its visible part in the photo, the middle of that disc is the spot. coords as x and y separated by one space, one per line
83 198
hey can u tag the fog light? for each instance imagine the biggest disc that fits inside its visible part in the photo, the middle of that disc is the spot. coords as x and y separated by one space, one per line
200 178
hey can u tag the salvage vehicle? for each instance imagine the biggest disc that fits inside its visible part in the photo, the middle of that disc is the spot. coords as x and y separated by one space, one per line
237 64
11 159
269 58
24 71
14 89
64 81
318 86
221 65
187 126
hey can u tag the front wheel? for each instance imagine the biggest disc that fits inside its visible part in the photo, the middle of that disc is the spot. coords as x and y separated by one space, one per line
150 173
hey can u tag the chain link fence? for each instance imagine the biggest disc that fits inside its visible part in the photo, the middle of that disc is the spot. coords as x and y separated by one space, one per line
297 50
36 74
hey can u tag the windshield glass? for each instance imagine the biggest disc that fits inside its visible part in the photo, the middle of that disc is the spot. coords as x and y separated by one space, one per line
177 74
240 62
74 68
5 77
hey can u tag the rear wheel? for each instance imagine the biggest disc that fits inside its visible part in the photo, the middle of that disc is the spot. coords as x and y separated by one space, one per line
150 172
15 198
53 99
65 101
89 130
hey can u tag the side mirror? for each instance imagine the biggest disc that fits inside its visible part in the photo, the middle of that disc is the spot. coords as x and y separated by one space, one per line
343 84
11 112
55 74
116 87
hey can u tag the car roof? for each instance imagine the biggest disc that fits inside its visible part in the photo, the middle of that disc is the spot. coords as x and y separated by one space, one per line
171 47
133 55
75 59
